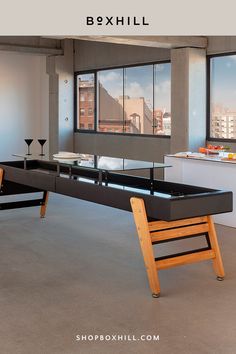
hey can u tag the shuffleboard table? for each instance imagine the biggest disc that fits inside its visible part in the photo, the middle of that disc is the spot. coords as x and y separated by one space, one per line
163 211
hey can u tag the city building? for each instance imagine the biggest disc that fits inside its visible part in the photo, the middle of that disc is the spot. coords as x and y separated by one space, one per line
223 123
158 121
86 104
167 123
123 114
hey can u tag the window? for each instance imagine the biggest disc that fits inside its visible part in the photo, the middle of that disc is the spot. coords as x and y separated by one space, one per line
132 100
138 99
90 111
90 97
81 97
85 101
162 87
110 100
81 112
222 96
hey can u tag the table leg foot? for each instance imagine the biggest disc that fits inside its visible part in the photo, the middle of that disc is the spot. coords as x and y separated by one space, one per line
156 295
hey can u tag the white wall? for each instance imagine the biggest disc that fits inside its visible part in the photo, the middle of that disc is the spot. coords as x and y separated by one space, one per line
24 96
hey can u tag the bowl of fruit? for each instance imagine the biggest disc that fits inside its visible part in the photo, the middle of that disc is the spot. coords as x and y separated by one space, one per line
213 149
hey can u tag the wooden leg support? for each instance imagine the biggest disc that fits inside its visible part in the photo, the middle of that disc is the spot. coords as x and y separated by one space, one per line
1 177
44 204
217 261
141 222
151 233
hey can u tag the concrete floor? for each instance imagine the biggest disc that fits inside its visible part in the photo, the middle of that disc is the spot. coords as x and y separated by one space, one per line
80 271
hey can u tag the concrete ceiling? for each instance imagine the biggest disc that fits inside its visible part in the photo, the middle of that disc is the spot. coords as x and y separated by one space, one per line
149 41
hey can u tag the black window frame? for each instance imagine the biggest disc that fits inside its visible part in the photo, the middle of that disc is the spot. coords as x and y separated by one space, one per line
95 71
208 100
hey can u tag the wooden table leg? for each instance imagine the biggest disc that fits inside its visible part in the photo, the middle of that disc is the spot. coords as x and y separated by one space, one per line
141 222
217 261
155 232
1 177
44 204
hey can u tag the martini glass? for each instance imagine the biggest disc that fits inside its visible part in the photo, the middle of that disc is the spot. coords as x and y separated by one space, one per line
42 142
29 142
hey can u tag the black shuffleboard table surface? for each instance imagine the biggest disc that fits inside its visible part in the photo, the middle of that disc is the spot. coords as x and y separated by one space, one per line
99 184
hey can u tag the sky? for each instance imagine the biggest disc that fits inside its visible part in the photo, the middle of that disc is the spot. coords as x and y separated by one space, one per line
223 81
139 83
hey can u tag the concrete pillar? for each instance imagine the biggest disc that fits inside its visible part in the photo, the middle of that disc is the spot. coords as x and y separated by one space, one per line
188 99
53 106
65 71
61 100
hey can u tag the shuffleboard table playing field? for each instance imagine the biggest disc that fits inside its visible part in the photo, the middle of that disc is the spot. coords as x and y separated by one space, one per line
163 211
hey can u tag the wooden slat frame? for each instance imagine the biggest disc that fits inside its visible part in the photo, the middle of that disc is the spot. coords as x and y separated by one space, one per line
186 259
162 225
179 232
154 231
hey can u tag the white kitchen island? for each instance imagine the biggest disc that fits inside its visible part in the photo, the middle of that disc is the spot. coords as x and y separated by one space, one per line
205 172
